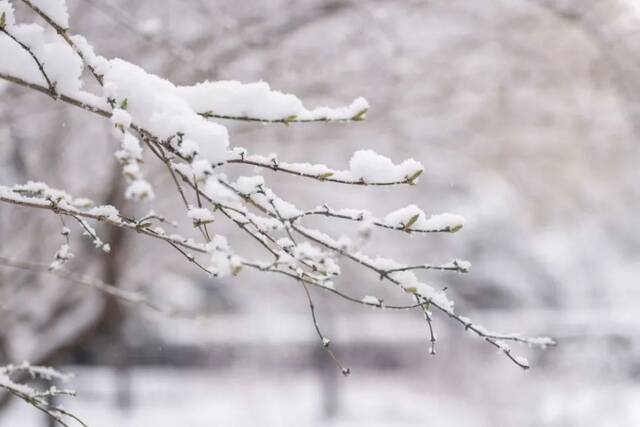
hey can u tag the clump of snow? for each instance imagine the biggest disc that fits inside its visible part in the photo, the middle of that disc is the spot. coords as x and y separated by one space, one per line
219 193
223 262
62 256
130 148
356 110
201 168
200 215
412 218
106 211
371 167
139 189
130 155
158 106
121 118
188 148
98 63
258 101
61 64
249 184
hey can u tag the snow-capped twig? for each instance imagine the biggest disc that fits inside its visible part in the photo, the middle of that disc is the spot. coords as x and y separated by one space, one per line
320 172
52 87
39 399
16 196
62 32
358 116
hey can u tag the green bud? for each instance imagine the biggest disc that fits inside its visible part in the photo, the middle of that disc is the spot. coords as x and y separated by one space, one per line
411 221
411 179
325 175
360 115
455 228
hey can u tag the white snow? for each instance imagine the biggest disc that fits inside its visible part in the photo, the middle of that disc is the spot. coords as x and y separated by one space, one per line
106 211
249 184
157 105
365 166
258 101
223 261
413 218
120 117
371 167
131 148
99 63
60 62
188 148
201 168
139 190
62 256
200 215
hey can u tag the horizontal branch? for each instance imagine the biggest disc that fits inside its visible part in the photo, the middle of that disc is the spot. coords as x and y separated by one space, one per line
121 294
363 215
8 195
359 116
59 96
317 172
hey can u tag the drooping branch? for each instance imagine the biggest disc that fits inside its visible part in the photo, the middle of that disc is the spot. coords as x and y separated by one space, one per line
108 216
326 342
39 399
310 260
135 298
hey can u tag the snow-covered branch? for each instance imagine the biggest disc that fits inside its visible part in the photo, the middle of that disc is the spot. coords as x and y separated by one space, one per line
152 115
39 399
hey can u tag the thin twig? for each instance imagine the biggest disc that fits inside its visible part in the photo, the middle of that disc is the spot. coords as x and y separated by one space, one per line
326 342
52 87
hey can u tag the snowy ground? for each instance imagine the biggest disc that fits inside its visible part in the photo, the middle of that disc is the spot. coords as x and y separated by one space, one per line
204 398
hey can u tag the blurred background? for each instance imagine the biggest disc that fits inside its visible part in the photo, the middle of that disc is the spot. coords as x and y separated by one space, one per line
526 115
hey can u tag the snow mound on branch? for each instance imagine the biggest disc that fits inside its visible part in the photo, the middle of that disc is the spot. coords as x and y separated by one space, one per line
371 167
60 62
156 105
413 218
258 101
